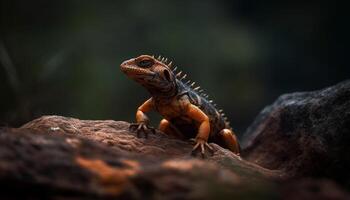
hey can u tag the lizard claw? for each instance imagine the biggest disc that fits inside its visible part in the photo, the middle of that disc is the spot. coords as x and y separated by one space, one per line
142 128
201 145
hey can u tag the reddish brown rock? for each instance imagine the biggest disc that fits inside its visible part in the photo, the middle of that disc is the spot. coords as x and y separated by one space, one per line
301 134
58 157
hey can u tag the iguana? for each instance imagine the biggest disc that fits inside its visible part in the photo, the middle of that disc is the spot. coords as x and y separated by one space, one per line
187 111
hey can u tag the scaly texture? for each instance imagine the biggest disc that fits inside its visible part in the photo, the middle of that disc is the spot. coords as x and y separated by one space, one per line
187 111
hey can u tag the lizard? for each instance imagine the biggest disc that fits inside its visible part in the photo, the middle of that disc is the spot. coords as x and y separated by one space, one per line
186 110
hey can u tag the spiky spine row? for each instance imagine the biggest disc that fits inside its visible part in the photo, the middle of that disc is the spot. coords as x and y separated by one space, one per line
191 84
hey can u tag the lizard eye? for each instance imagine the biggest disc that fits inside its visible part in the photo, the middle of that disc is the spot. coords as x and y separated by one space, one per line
145 63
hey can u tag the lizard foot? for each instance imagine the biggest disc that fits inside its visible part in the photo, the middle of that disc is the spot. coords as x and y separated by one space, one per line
202 145
142 128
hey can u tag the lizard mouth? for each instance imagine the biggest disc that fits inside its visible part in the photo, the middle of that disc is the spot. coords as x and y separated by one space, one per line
135 71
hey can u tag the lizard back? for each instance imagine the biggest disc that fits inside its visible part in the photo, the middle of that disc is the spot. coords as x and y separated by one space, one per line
217 118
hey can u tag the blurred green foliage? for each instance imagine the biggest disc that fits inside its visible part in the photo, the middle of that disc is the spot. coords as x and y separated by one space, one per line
62 57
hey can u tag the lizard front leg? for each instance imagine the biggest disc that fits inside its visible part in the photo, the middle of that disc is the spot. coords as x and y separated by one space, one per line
142 121
204 128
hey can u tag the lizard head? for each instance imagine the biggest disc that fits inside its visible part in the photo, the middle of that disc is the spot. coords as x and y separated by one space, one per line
154 75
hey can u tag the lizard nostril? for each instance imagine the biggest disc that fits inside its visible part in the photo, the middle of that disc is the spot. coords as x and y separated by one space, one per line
123 64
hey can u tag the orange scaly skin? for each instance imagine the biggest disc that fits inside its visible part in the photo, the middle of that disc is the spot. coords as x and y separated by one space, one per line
186 110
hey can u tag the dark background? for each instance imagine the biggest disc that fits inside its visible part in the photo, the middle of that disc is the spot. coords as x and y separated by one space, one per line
62 57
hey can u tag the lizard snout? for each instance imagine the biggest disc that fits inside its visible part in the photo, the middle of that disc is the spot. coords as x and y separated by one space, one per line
125 65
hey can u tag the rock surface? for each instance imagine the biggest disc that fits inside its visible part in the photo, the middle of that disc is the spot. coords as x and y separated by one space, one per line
304 134
63 158
297 140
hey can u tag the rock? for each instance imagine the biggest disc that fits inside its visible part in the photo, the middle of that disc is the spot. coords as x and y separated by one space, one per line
308 188
59 158
301 135
304 134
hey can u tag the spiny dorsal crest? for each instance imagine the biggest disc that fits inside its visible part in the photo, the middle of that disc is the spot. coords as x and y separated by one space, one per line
182 76
163 60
